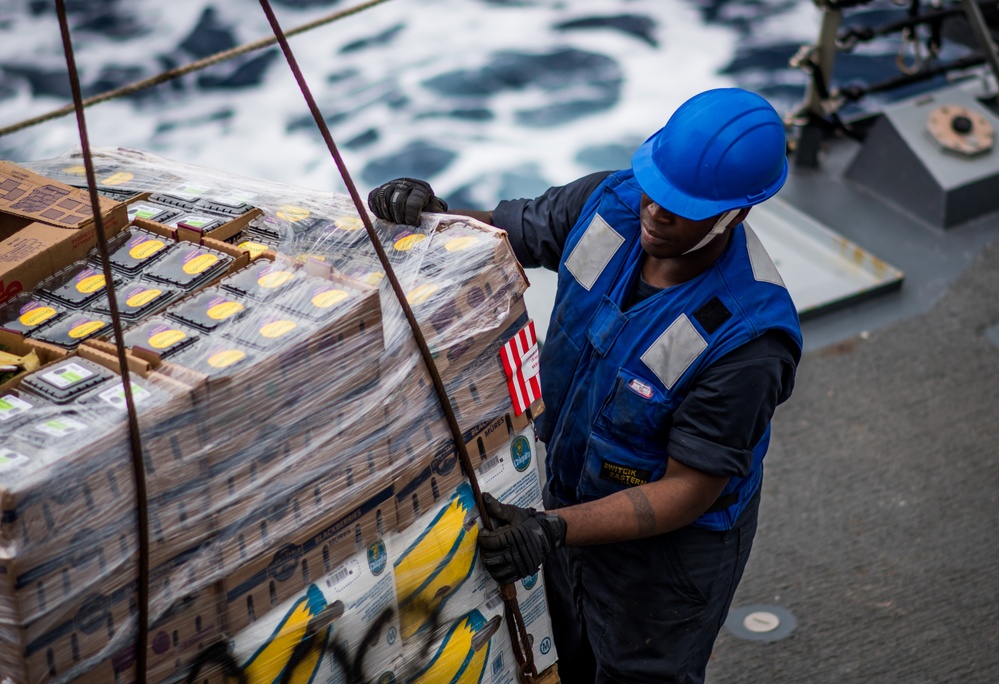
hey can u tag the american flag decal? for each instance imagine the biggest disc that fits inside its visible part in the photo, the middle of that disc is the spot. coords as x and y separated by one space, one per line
520 361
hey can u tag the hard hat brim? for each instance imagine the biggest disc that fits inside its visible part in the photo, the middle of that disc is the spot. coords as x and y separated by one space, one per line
676 201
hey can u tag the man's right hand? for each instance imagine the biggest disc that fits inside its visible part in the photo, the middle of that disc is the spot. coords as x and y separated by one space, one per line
401 200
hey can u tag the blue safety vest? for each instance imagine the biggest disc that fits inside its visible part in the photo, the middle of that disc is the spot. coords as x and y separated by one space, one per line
611 379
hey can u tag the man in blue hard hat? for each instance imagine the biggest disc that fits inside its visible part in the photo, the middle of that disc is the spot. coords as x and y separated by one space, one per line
672 341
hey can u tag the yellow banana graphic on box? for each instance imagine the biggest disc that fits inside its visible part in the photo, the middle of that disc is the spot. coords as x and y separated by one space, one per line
437 563
268 664
463 653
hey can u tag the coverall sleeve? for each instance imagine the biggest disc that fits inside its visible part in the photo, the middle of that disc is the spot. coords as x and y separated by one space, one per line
730 406
538 227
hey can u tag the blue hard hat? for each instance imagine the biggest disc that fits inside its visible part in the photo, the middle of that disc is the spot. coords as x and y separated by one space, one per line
722 149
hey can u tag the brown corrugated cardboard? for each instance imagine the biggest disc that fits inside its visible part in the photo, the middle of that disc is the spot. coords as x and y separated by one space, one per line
45 226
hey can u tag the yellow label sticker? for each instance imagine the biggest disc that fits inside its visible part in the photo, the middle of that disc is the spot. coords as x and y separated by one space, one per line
290 212
90 284
200 264
407 243
76 170
226 358
325 300
222 311
167 338
36 316
277 328
119 178
143 298
461 243
254 248
146 249
421 293
274 279
372 278
85 329
350 223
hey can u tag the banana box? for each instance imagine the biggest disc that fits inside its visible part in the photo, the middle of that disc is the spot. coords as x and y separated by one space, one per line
255 586
513 477
349 617
433 558
474 648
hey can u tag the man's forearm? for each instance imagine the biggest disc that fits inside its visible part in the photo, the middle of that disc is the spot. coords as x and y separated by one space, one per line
662 506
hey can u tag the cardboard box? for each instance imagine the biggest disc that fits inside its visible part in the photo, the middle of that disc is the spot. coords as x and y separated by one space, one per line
44 227
257 586
351 604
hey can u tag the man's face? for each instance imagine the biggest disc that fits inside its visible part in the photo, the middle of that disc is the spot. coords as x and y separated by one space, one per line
666 235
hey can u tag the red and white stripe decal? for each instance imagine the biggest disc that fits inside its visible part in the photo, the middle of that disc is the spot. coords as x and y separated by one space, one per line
520 361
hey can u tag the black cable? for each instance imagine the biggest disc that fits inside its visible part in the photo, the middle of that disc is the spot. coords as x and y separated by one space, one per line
138 465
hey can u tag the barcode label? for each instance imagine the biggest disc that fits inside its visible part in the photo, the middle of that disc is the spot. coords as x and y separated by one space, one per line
343 576
494 602
489 464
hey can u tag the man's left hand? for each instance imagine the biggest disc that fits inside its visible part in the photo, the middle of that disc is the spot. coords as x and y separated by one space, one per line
521 540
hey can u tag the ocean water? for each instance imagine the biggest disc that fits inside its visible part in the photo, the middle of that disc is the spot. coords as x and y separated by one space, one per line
486 99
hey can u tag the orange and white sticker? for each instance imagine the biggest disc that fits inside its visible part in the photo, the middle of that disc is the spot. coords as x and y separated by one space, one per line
328 298
146 249
224 359
277 328
200 264
222 311
421 293
144 297
290 212
349 223
84 329
36 316
274 279
404 244
461 243
167 338
119 178
254 248
90 284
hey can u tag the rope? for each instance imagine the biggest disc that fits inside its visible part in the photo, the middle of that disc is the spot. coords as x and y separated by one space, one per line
138 465
508 591
172 74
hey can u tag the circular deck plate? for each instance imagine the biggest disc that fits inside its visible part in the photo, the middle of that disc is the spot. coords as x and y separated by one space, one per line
760 622
940 125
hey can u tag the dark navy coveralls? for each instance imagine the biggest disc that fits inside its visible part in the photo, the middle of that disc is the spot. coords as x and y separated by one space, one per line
629 375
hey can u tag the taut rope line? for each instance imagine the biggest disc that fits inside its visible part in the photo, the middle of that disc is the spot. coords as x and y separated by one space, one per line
522 648
172 74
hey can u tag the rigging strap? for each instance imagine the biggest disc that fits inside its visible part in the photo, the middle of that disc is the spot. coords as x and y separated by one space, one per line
138 465
515 620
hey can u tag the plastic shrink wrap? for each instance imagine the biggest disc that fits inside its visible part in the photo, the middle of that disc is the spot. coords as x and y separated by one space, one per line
308 516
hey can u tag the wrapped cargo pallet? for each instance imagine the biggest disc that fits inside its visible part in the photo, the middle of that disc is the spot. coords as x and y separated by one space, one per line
308 515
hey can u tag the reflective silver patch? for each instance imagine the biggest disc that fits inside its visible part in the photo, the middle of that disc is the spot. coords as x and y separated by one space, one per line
671 355
593 252
763 266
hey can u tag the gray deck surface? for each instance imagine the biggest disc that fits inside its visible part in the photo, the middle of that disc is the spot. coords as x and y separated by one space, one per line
877 526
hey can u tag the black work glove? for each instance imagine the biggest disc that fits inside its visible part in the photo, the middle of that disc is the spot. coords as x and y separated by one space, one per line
401 200
523 538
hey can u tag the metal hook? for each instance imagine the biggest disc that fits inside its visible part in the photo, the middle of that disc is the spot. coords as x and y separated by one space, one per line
909 38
